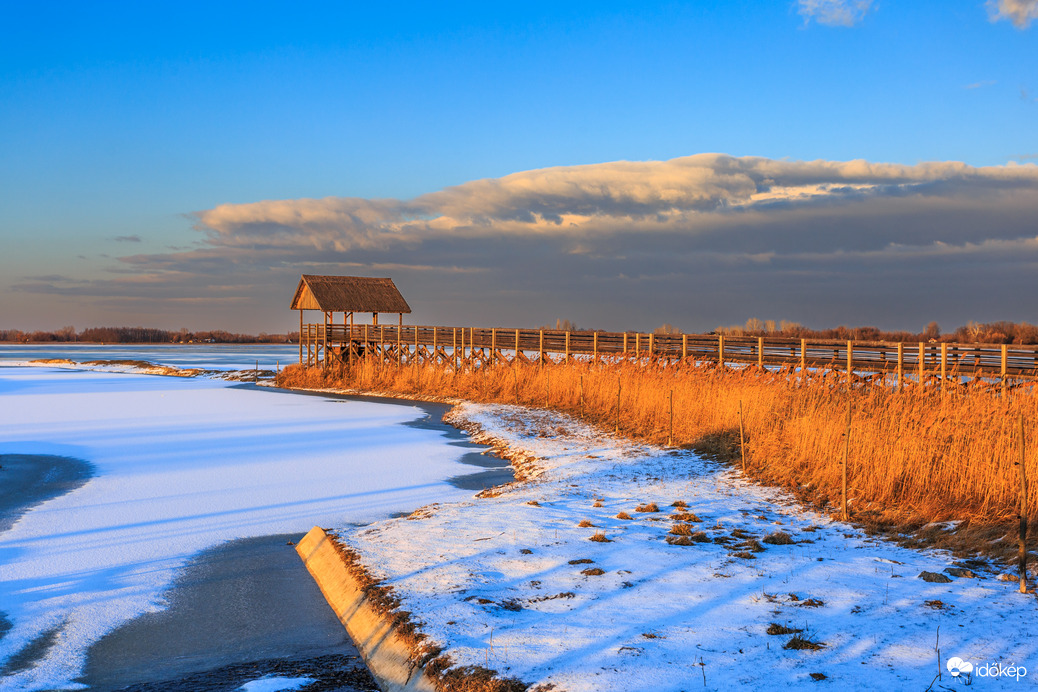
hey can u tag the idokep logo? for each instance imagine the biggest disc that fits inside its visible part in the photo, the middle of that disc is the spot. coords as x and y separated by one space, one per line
960 668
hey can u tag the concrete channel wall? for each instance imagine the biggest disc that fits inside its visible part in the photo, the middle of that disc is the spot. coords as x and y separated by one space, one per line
383 651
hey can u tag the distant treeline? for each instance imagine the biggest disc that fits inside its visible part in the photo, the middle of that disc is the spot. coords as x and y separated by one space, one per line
142 335
972 333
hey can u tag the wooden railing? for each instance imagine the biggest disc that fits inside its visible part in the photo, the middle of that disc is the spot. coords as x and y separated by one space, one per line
320 343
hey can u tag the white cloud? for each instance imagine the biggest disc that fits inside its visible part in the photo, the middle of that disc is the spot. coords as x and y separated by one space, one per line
834 12
1020 12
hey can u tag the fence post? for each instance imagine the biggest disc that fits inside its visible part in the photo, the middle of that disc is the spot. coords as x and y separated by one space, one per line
515 359
684 346
435 354
922 365
625 344
760 351
595 346
540 350
944 365
1023 512
367 351
567 347
652 337
803 360
850 364
1005 367
416 358
720 350
454 347
900 366
493 345
637 345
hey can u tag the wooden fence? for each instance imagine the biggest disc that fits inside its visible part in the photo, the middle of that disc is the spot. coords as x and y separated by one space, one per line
324 344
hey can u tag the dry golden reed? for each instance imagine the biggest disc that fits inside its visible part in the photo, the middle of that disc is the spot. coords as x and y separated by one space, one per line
915 455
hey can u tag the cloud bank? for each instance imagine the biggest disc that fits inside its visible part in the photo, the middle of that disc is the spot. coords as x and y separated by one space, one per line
696 241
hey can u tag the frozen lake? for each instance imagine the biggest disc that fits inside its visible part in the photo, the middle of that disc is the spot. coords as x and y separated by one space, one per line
180 467
208 356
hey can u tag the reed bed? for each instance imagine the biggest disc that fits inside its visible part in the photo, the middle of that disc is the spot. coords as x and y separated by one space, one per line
915 456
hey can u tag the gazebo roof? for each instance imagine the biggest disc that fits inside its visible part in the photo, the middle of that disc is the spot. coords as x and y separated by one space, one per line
348 294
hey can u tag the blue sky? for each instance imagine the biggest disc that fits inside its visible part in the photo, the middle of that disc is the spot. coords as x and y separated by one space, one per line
123 124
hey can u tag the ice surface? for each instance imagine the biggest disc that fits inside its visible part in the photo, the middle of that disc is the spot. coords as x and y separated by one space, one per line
182 465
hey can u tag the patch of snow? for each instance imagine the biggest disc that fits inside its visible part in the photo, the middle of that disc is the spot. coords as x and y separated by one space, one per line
275 684
182 465
514 586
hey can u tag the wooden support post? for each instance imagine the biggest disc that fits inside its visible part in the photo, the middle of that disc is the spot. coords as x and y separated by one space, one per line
367 351
1023 511
1005 368
720 350
760 351
625 344
742 439
300 337
454 347
324 336
595 346
567 347
900 366
922 365
846 457
652 347
381 342
416 359
515 359
400 343
540 349
684 346
803 360
435 351
637 344
944 365
850 364
472 342
352 343
493 346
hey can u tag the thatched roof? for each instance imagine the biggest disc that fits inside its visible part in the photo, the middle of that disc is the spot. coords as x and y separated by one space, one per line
348 294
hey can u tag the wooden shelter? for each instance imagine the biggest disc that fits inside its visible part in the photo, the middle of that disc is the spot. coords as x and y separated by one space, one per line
345 294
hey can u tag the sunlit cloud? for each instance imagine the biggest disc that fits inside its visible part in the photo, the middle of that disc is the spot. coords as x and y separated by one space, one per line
1020 12
834 12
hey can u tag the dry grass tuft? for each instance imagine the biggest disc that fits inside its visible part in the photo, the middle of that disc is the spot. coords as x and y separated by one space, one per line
624 515
585 524
801 643
681 529
779 538
775 628
684 516
600 537
592 571
597 503
581 561
534 503
648 507
679 503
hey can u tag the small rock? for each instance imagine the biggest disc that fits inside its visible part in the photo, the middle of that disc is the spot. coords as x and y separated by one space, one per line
934 577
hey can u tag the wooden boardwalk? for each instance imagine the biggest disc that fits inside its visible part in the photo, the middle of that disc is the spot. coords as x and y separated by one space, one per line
465 347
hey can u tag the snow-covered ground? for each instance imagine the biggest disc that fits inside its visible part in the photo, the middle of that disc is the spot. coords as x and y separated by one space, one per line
182 465
512 583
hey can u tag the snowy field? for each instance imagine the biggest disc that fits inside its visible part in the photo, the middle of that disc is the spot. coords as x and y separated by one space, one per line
513 583
182 465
